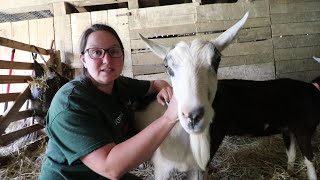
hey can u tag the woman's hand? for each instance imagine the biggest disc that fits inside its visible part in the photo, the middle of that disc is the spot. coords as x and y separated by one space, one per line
165 95
172 111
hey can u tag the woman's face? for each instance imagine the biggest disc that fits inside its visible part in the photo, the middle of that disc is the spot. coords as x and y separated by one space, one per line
106 69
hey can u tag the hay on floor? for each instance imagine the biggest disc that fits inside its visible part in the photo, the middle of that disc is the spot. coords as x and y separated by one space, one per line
238 158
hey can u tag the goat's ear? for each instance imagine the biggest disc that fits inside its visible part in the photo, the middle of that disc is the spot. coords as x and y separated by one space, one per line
227 37
38 69
159 49
317 59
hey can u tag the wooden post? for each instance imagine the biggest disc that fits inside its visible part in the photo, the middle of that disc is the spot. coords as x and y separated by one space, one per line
62 30
133 4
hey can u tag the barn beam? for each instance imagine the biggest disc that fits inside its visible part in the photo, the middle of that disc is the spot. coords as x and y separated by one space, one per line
18 6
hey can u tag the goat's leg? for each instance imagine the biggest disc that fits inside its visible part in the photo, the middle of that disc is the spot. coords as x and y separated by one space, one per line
197 175
290 144
162 167
304 142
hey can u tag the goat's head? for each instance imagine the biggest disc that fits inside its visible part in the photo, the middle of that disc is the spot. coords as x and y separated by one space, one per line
193 73
43 87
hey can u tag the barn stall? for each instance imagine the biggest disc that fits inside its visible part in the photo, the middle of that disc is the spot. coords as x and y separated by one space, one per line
278 40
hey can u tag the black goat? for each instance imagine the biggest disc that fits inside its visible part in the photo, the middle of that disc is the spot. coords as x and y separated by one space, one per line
43 87
252 108
263 108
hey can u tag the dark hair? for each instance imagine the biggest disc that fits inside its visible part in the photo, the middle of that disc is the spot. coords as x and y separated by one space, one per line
91 29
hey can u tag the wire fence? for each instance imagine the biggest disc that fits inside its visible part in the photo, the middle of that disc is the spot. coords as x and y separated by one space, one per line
4 17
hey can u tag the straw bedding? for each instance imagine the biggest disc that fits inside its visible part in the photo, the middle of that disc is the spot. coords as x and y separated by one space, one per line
238 158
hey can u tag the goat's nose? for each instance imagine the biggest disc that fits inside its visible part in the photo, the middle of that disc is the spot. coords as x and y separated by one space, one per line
195 115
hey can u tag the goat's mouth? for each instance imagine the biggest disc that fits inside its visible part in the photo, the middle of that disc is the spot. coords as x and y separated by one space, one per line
193 127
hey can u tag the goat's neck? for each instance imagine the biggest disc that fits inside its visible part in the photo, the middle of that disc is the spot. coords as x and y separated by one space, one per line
200 146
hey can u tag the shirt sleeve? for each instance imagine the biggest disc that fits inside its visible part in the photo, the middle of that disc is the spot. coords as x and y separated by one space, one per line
135 88
78 132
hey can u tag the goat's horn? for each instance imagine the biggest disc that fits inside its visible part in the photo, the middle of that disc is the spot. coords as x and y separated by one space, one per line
317 59
159 49
225 38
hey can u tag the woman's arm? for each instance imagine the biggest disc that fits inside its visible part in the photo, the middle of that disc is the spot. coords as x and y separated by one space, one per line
163 89
112 161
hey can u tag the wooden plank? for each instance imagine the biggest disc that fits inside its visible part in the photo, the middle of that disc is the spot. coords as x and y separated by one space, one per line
15 65
162 16
170 30
147 58
133 4
244 35
226 24
22 46
295 17
296 41
5 32
294 7
295 29
289 1
79 23
19 8
8 115
99 17
148 69
121 25
41 32
20 33
232 11
21 115
8 97
5 79
10 137
160 76
258 47
249 52
246 59
139 44
296 53
306 76
60 9
297 65
37 5
251 72
63 37
254 34
95 2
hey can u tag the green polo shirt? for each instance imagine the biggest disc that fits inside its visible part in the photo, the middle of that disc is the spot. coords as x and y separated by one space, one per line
81 119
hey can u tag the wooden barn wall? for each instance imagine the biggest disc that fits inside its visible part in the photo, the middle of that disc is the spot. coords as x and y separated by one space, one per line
250 56
296 37
278 40
38 32
116 18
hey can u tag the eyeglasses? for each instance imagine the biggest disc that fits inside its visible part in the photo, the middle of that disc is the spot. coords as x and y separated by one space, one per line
100 53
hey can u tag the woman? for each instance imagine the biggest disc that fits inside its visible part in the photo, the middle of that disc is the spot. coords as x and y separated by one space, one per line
88 120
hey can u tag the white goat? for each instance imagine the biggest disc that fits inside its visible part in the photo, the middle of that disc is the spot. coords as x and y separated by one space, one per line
193 73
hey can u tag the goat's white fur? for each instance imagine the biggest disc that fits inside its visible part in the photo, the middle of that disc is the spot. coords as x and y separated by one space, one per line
194 82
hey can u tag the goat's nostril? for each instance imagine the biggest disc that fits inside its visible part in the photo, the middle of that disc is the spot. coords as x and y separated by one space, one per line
196 115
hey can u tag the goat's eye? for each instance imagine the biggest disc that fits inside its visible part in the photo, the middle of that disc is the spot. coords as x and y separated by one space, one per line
170 72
